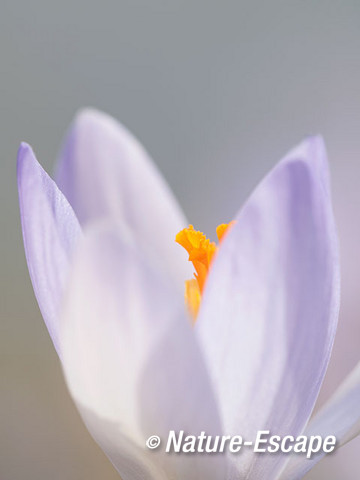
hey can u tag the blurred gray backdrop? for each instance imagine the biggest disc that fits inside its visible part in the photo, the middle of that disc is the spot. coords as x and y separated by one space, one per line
217 92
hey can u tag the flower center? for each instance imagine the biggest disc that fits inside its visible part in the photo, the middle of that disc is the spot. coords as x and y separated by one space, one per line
201 253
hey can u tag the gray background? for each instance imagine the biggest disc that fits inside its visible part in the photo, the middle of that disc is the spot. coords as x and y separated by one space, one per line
218 92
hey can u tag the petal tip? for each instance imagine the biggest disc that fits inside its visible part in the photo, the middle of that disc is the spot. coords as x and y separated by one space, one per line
25 159
316 138
318 157
312 153
317 144
91 116
313 145
23 151
24 146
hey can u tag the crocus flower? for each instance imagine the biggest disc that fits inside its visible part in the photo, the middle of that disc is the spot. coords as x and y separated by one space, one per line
253 351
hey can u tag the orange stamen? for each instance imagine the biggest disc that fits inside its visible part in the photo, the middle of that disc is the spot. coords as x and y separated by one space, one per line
222 229
201 253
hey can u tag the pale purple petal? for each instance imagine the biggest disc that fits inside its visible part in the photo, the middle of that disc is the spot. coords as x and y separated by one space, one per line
340 416
130 355
270 307
126 456
50 231
104 171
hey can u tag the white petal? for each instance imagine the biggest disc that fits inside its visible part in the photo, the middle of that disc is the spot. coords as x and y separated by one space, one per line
50 231
130 355
104 171
270 306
